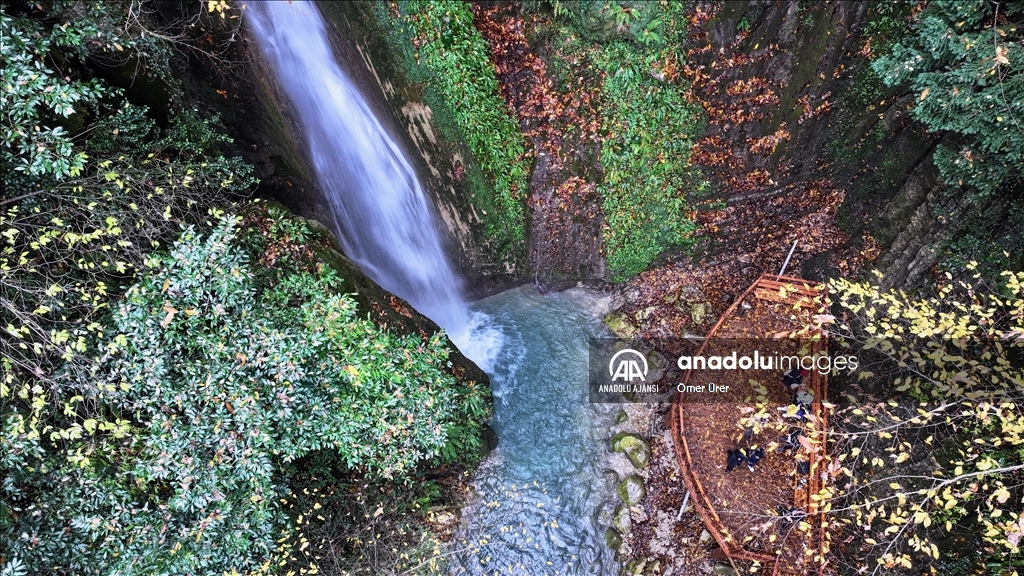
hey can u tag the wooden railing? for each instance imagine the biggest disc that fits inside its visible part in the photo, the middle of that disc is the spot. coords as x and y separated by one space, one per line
767 287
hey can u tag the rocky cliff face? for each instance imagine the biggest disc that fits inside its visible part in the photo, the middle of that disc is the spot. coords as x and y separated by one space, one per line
821 115
795 115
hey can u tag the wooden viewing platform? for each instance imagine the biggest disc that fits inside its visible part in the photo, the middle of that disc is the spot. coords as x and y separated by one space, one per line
740 508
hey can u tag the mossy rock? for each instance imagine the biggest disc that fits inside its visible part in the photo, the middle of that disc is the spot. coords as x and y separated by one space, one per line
642 315
698 312
636 567
621 520
631 490
621 416
634 447
620 325
612 538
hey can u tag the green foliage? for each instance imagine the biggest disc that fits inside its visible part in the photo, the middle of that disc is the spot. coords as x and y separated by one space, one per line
649 128
609 21
356 526
888 23
968 74
91 185
203 386
983 242
458 59
154 433
36 98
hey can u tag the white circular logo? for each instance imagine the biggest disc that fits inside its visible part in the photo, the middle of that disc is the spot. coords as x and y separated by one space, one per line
627 368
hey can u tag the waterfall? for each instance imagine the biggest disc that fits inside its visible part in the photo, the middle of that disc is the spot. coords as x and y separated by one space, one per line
544 478
382 217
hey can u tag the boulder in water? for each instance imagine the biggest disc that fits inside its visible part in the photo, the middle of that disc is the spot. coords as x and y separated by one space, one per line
631 490
634 447
621 416
635 566
620 325
612 538
621 521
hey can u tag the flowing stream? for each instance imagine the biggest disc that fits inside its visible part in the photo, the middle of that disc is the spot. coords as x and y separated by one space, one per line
538 493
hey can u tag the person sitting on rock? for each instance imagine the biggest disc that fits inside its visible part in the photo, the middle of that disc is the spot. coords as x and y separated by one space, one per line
753 457
794 378
736 457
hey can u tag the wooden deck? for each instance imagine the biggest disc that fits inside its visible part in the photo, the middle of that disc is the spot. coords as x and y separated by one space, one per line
739 508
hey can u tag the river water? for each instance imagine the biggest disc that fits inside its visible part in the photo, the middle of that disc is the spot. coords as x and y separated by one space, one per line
538 494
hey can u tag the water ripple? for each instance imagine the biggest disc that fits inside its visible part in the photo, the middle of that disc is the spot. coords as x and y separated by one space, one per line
535 497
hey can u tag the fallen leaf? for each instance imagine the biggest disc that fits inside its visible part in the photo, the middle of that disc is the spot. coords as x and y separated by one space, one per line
1001 56
170 315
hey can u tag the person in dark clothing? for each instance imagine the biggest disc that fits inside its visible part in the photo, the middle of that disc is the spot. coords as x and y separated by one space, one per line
803 396
798 412
803 467
736 457
790 441
794 378
754 457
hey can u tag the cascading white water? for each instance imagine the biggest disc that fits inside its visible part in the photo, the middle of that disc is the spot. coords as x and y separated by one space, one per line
381 215
544 478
